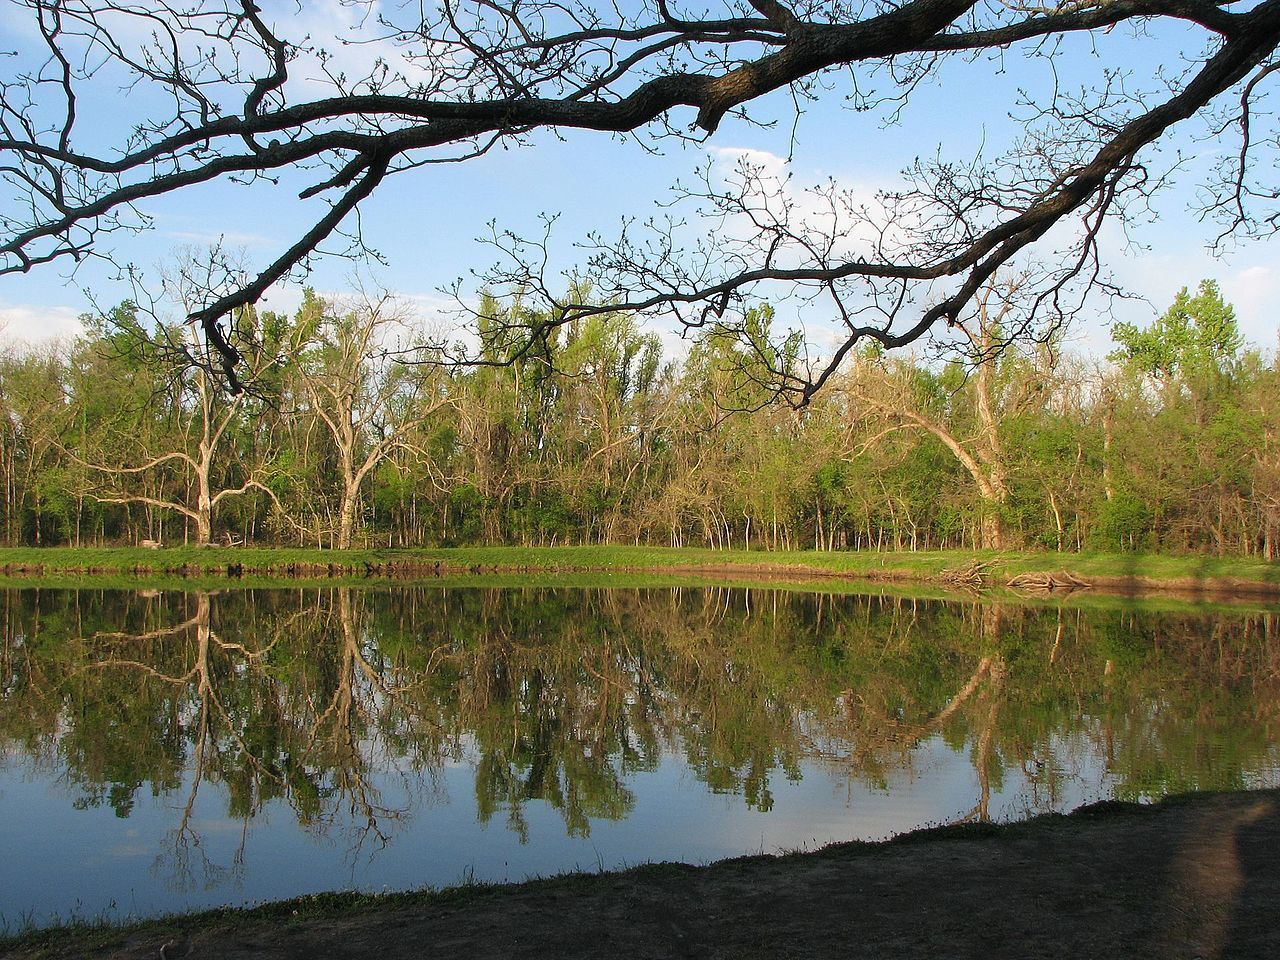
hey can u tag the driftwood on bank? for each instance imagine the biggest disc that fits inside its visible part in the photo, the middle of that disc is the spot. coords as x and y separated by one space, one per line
973 575
977 574
1049 582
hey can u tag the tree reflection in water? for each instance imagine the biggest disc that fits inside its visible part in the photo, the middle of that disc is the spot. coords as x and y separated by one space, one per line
345 704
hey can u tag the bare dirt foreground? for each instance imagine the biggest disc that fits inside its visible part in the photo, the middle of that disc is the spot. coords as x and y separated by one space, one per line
1198 876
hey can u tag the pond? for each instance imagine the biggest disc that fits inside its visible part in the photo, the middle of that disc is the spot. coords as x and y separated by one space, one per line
168 750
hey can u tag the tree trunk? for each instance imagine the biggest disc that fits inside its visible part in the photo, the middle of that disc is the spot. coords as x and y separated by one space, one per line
347 519
1057 520
204 509
1107 439
993 533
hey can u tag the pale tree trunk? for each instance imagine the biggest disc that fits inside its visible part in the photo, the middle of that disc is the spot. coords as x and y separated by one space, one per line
203 436
362 404
992 481
989 478
1057 520
992 522
345 437
347 518
203 467
1108 438
982 456
204 516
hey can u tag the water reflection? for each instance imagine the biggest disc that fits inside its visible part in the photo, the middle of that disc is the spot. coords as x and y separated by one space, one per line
353 711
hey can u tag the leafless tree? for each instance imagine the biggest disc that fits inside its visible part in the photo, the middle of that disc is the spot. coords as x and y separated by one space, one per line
370 405
889 397
200 448
226 90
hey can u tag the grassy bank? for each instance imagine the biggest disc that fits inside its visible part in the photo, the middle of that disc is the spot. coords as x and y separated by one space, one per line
1110 572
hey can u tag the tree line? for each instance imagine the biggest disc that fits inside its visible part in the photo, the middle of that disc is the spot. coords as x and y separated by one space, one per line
353 429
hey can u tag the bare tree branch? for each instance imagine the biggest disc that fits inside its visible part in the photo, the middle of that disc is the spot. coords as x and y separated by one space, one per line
225 99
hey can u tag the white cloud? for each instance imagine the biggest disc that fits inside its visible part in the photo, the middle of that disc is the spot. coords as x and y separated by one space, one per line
351 37
224 240
1176 256
1255 293
843 217
728 158
820 219
25 323
1247 280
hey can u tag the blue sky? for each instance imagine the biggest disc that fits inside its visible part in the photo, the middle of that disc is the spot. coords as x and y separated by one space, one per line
424 222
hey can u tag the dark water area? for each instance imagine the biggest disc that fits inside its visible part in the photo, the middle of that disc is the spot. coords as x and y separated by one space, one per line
169 751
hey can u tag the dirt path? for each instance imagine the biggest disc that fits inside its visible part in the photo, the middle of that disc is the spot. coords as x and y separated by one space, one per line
1195 877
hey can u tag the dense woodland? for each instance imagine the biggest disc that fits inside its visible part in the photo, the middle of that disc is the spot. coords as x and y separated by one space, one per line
590 434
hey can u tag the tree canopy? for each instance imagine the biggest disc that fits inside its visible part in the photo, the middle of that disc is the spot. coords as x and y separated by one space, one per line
227 91
1195 336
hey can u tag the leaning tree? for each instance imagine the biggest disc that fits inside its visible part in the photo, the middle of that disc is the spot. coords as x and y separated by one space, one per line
227 91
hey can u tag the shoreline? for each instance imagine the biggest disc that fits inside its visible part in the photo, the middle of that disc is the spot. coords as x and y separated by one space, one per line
1133 575
1193 875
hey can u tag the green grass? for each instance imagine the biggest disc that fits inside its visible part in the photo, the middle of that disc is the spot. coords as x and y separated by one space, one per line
258 564
318 563
1154 599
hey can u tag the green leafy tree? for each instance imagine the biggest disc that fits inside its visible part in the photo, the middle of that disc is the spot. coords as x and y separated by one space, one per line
1195 482
1197 339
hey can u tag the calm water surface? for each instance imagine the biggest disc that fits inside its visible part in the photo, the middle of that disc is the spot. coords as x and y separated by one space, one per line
170 751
